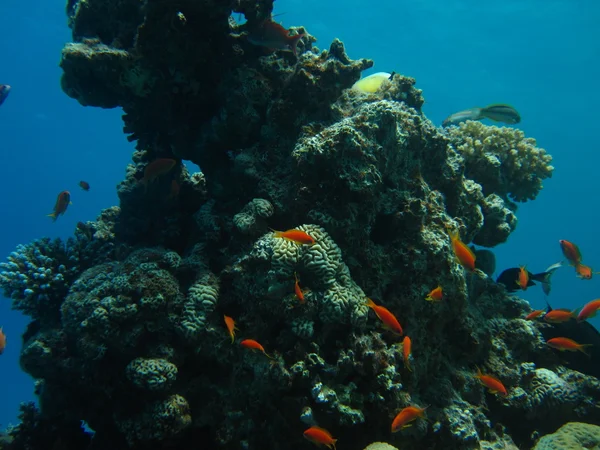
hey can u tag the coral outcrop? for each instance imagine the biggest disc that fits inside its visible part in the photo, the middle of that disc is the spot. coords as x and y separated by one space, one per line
128 330
573 435
502 160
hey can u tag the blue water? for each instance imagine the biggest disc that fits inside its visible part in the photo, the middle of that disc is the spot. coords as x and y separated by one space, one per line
541 56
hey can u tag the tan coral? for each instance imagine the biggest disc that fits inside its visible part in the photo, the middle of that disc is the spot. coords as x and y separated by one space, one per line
571 436
502 160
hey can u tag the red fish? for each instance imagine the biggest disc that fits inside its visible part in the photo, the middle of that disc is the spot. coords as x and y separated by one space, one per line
523 280
407 351
571 252
2 341
272 35
297 236
84 185
389 320
254 345
558 316
62 203
435 295
231 328
589 310
320 436
464 254
156 169
534 314
584 272
565 344
493 384
297 290
407 415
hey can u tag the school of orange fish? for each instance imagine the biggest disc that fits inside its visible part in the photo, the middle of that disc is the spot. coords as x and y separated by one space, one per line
272 35
464 256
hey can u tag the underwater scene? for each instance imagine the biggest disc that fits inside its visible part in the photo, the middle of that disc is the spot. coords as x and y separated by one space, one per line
259 224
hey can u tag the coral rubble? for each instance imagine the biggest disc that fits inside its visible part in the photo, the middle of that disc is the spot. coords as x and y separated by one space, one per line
127 331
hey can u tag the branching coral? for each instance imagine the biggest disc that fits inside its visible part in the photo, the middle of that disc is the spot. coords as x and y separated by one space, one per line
38 275
502 160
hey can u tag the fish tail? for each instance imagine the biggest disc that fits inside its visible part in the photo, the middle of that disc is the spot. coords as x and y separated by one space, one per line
582 349
545 278
294 42
370 303
53 215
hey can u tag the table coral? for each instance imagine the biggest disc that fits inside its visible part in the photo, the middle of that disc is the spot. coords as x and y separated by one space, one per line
502 160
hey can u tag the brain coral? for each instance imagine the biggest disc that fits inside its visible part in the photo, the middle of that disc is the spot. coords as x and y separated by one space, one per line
571 436
502 160
334 297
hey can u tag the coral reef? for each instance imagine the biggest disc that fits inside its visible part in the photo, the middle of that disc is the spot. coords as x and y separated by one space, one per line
502 160
128 331
571 436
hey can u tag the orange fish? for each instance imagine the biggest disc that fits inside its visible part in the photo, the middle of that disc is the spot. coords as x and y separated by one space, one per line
156 169
254 345
523 280
589 310
407 350
435 295
571 252
272 35
493 384
407 415
565 344
558 316
584 272
2 341
389 320
320 436
297 236
464 254
62 203
231 328
534 314
84 185
297 290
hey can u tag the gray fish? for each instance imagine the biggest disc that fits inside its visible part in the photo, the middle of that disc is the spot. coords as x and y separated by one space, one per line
485 260
463 116
4 91
501 113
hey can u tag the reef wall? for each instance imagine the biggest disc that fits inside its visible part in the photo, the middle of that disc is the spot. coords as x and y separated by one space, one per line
127 330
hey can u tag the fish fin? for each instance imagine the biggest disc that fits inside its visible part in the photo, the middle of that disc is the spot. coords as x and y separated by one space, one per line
53 215
545 277
294 42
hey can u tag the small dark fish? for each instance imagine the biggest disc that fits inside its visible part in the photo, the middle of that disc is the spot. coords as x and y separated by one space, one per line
62 203
463 116
272 35
84 185
579 332
510 278
501 113
485 260
4 91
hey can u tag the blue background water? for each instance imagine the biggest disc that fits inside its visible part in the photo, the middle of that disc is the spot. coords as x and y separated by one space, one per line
542 56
